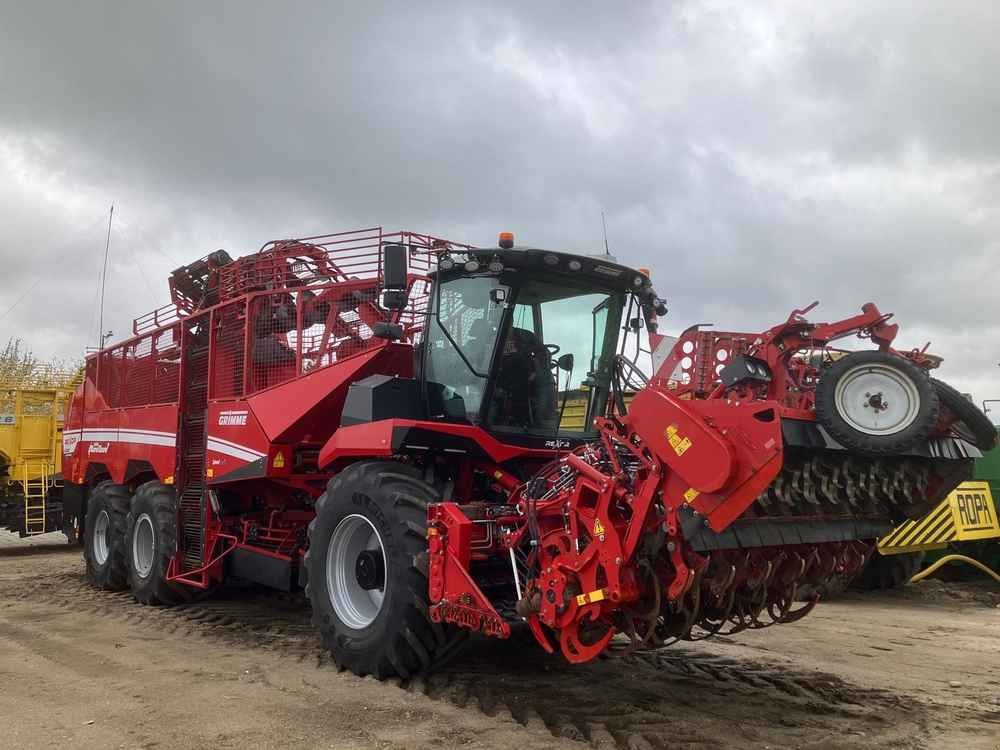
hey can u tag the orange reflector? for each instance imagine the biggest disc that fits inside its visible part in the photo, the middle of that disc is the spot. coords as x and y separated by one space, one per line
506 240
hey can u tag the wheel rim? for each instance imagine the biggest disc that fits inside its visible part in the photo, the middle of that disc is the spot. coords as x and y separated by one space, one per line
100 543
877 399
354 560
143 546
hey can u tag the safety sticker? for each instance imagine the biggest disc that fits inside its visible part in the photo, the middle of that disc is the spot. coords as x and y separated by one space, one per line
690 494
593 596
678 443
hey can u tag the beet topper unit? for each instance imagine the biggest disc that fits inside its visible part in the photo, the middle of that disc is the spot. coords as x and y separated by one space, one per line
434 439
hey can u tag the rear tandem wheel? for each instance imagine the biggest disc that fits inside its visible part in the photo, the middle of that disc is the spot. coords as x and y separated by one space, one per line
150 543
104 536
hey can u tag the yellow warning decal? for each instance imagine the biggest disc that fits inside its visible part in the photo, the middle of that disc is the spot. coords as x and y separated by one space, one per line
967 514
690 494
498 475
678 443
166 480
279 460
209 473
598 526
593 596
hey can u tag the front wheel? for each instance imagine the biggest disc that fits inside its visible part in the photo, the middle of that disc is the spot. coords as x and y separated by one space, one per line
367 584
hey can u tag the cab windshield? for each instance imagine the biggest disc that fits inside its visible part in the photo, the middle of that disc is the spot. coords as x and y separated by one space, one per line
462 336
531 358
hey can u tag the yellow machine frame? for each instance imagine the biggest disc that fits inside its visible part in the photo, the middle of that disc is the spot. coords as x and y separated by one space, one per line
31 419
967 514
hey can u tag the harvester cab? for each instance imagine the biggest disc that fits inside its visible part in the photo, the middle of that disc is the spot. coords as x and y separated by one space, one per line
434 439
513 332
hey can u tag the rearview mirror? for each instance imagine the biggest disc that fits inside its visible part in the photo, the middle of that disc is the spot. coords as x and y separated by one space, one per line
394 292
565 362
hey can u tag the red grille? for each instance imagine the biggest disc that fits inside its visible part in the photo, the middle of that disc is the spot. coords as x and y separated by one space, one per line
294 306
272 354
166 380
323 259
228 350
139 372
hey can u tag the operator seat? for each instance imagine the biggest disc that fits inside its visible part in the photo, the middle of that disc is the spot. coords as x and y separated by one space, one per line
526 376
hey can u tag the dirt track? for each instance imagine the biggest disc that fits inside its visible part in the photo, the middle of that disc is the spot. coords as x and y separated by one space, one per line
917 669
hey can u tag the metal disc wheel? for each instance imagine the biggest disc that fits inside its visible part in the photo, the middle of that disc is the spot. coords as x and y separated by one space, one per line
100 544
877 399
143 546
876 402
355 572
367 569
152 541
104 536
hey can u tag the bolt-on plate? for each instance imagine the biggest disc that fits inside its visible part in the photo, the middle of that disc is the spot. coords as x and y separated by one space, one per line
354 604
877 399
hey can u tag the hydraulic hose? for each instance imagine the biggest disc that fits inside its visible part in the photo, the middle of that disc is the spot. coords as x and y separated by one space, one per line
955 558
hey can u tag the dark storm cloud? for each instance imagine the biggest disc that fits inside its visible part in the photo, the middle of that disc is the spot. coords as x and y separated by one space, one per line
755 157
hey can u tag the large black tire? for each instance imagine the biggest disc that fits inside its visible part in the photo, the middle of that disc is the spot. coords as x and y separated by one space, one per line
829 413
973 425
107 508
153 517
889 571
400 640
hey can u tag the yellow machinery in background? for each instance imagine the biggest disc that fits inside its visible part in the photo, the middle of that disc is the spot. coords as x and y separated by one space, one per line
31 417
966 522
968 514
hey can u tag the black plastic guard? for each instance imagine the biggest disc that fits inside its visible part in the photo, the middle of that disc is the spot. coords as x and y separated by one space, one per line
768 532
804 433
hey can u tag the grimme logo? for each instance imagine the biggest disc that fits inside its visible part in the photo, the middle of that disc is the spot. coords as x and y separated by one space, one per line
232 419
97 448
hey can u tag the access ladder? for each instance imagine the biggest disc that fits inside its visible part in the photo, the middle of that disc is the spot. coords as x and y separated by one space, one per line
36 489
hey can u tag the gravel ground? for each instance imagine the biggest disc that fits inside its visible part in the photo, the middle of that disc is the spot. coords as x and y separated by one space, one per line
918 668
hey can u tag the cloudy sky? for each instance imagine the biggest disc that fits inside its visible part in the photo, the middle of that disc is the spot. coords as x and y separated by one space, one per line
756 156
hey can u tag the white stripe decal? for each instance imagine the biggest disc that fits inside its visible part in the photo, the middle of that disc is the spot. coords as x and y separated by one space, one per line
239 452
101 435
168 439
139 437
231 444
148 432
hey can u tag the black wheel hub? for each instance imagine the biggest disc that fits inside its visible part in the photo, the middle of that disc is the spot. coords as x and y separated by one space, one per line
876 402
370 570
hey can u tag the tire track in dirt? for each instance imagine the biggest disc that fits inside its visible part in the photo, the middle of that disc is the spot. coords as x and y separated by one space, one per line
682 697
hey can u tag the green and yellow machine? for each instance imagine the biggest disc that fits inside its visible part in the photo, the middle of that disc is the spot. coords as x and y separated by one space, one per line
966 522
32 407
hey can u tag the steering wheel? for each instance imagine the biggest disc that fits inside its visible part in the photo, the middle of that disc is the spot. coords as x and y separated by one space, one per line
553 349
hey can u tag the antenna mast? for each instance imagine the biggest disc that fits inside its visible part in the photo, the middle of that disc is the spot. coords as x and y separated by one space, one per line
605 225
104 276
